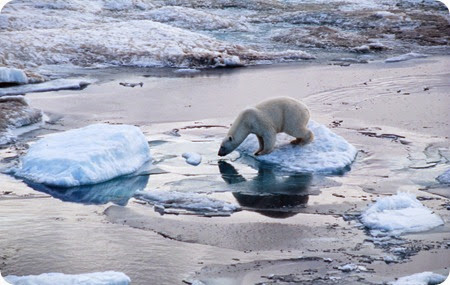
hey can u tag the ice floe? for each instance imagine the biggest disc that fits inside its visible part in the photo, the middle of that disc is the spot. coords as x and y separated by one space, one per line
352 267
327 153
85 156
423 278
97 278
192 158
187 70
198 203
12 76
444 178
399 214
405 57
15 113
54 85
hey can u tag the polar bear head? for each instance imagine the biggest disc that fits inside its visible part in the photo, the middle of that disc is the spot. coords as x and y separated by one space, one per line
228 145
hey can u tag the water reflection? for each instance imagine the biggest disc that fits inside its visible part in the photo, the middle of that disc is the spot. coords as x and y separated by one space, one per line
266 193
117 191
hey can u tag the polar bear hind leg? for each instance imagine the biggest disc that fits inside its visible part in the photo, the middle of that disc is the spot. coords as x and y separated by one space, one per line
302 137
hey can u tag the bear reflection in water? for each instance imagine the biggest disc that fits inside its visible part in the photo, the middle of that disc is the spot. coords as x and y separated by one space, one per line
117 191
268 194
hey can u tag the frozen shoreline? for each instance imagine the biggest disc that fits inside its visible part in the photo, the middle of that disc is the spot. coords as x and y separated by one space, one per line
172 247
222 33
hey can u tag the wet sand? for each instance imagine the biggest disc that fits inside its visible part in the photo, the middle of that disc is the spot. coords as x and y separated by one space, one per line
362 103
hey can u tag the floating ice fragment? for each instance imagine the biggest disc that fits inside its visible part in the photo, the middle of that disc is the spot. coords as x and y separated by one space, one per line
85 156
390 259
352 267
97 278
375 46
192 158
12 76
444 178
405 57
187 70
398 214
327 153
423 278
195 202
54 85
232 61
15 113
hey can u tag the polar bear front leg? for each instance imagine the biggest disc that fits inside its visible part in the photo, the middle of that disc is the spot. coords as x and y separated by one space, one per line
261 145
268 141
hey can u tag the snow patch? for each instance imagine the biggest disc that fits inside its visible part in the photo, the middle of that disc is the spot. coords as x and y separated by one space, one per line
192 158
54 85
85 156
444 178
423 278
97 278
12 76
194 202
399 214
405 57
327 153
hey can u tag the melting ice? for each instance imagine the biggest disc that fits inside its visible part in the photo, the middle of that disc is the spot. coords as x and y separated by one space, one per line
97 278
423 278
399 214
199 203
15 113
327 153
85 156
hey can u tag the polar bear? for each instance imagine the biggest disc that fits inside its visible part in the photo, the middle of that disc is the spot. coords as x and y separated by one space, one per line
265 120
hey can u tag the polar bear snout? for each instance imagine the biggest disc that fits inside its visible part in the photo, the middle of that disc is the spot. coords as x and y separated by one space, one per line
222 151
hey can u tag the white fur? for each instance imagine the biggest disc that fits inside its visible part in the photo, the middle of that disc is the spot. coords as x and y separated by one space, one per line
267 119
